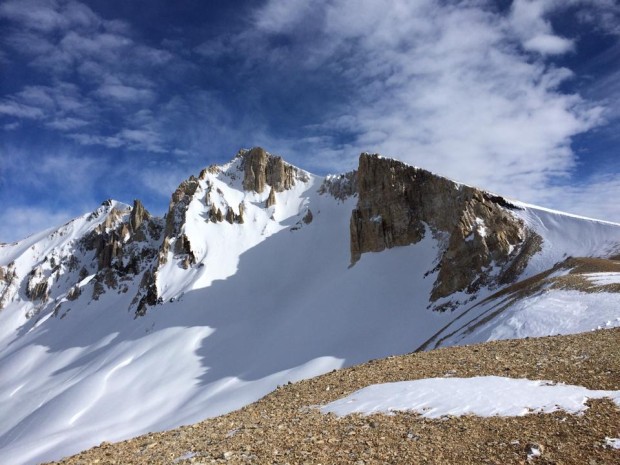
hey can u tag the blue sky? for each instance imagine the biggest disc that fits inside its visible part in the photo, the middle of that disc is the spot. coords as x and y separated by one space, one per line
115 99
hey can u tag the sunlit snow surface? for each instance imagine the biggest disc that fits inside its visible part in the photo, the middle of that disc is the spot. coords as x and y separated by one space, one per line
482 396
603 279
547 313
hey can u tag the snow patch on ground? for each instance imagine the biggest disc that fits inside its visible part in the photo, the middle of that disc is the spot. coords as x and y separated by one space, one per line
614 443
482 395
602 279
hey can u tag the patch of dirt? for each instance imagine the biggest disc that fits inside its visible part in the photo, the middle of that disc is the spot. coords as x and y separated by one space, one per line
286 427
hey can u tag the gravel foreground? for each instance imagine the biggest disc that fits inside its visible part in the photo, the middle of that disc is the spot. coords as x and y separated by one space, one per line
286 427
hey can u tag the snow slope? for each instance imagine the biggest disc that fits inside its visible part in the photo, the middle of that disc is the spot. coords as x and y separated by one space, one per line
567 235
268 301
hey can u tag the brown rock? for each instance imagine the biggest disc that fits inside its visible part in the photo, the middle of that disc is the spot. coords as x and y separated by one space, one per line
254 167
138 215
37 286
109 246
8 280
147 293
241 212
271 199
341 186
261 168
98 289
397 203
74 293
308 217
230 215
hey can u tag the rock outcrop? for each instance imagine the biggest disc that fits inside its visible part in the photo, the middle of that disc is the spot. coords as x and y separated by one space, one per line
37 286
121 229
340 186
399 204
481 243
261 169
8 283
175 218
271 199
147 294
139 214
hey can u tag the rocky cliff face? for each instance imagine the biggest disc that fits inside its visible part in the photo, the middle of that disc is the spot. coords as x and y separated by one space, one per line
115 246
260 169
8 278
340 186
256 169
482 243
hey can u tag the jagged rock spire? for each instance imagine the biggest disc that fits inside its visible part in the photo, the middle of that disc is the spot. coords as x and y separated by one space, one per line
261 168
138 215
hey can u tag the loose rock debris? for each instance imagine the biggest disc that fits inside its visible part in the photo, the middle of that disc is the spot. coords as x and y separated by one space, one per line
286 427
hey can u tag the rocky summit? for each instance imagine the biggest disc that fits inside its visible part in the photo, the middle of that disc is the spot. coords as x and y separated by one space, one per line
481 242
121 323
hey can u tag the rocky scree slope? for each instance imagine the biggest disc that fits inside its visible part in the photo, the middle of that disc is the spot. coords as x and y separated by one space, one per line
119 323
287 426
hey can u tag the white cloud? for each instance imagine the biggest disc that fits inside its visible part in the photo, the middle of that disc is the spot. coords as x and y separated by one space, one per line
124 93
145 139
112 142
66 124
548 44
445 86
43 15
57 106
20 110
282 17
38 96
527 19
103 46
49 15
11 126
98 74
606 89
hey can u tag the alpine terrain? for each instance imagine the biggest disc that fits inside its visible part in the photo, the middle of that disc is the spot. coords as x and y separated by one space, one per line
120 323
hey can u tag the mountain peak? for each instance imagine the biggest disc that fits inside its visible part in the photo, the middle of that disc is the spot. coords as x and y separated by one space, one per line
126 322
480 242
260 169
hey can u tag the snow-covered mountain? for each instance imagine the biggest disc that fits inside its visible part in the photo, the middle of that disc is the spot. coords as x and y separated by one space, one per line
119 323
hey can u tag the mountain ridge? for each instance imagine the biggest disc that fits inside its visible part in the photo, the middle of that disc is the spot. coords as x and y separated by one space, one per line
236 291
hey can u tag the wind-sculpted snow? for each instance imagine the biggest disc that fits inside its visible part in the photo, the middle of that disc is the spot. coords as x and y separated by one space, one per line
198 314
